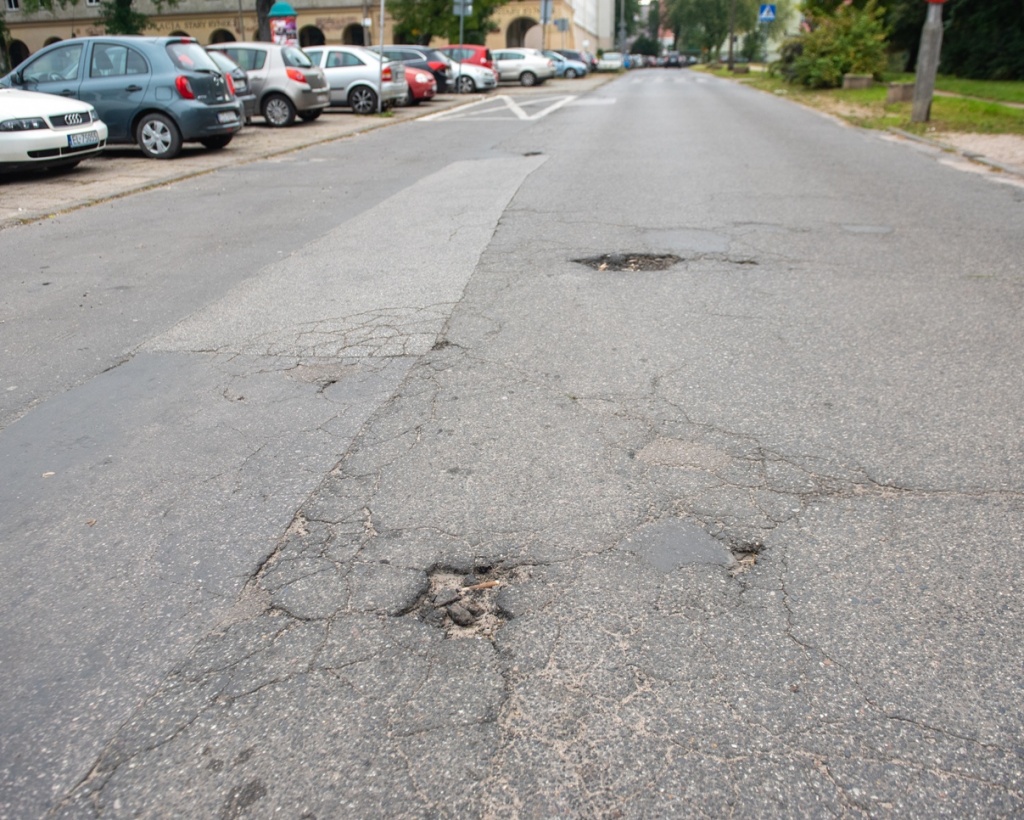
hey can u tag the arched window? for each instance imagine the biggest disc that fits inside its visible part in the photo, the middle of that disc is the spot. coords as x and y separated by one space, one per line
518 32
19 53
354 35
311 36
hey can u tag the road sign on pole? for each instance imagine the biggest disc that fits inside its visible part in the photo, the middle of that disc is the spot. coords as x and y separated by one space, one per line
766 13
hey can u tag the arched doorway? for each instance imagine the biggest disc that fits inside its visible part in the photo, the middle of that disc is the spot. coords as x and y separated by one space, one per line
51 40
311 36
519 31
354 35
180 34
19 53
222 35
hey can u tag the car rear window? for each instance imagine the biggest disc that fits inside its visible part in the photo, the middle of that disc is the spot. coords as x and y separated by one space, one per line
294 57
249 59
190 56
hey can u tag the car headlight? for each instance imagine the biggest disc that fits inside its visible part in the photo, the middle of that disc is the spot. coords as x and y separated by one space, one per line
26 124
423 78
93 116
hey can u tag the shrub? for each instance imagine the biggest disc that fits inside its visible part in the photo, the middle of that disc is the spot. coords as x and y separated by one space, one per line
848 41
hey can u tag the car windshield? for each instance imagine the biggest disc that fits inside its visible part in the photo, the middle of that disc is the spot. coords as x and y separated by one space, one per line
190 56
295 57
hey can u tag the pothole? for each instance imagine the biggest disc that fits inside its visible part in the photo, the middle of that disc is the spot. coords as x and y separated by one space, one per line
744 556
631 261
465 605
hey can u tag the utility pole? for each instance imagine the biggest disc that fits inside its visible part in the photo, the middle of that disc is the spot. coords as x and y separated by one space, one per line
927 63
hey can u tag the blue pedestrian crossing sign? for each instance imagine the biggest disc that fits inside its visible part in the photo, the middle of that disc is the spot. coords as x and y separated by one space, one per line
766 14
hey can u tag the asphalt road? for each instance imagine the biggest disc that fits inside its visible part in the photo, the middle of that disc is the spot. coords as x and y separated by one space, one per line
337 485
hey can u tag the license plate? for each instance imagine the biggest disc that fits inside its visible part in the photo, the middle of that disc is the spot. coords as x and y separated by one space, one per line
322 98
227 116
84 138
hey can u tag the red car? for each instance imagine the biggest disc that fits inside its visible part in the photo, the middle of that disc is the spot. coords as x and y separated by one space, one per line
422 85
478 55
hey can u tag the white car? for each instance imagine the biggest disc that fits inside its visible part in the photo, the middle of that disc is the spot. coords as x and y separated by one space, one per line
527 66
46 130
470 78
611 61
357 78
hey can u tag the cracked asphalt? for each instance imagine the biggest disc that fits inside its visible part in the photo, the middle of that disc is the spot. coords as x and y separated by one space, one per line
744 533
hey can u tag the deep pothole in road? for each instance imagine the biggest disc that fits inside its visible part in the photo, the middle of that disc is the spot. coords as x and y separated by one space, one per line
631 261
465 605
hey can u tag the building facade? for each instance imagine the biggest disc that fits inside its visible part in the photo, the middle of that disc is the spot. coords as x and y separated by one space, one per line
584 25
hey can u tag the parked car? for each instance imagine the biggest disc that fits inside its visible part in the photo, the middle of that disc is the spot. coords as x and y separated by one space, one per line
470 78
422 85
157 92
585 57
527 66
611 61
673 60
564 67
45 131
284 80
241 83
429 59
357 78
464 53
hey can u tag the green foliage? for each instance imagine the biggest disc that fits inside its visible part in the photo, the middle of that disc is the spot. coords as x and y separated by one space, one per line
850 40
645 45
984 41
420 21
118 17
703 25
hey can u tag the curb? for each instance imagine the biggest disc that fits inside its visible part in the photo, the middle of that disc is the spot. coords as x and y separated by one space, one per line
952 149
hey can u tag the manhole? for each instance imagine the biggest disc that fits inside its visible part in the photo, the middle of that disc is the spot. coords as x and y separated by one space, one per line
631 261
464 605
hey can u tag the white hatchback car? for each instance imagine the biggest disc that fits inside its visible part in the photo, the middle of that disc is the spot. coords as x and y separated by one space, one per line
527 66
470 78
46 130
357 78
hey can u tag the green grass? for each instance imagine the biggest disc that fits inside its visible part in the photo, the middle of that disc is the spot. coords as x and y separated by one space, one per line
868 108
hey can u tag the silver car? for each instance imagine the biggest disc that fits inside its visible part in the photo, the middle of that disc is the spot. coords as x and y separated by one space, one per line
358 80
284 80
527 66
470 78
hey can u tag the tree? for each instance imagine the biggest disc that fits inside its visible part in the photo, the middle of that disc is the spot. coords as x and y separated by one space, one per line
420 21
703 25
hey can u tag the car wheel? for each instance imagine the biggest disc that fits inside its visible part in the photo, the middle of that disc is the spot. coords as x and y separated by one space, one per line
363 100
528 78
570 73
158 136
466 85
278 111
309 116
410 99
216 143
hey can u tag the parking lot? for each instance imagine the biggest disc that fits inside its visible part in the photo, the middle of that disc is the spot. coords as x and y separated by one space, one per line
123 169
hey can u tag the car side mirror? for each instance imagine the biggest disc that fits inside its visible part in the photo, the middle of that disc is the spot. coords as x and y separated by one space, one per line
17 79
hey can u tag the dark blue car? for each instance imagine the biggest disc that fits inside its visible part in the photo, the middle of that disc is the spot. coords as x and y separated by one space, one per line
156 92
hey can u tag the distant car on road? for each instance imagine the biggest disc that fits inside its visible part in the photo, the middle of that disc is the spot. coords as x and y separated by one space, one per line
357 78
284 80
527 66
46 131
673 60
157 92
